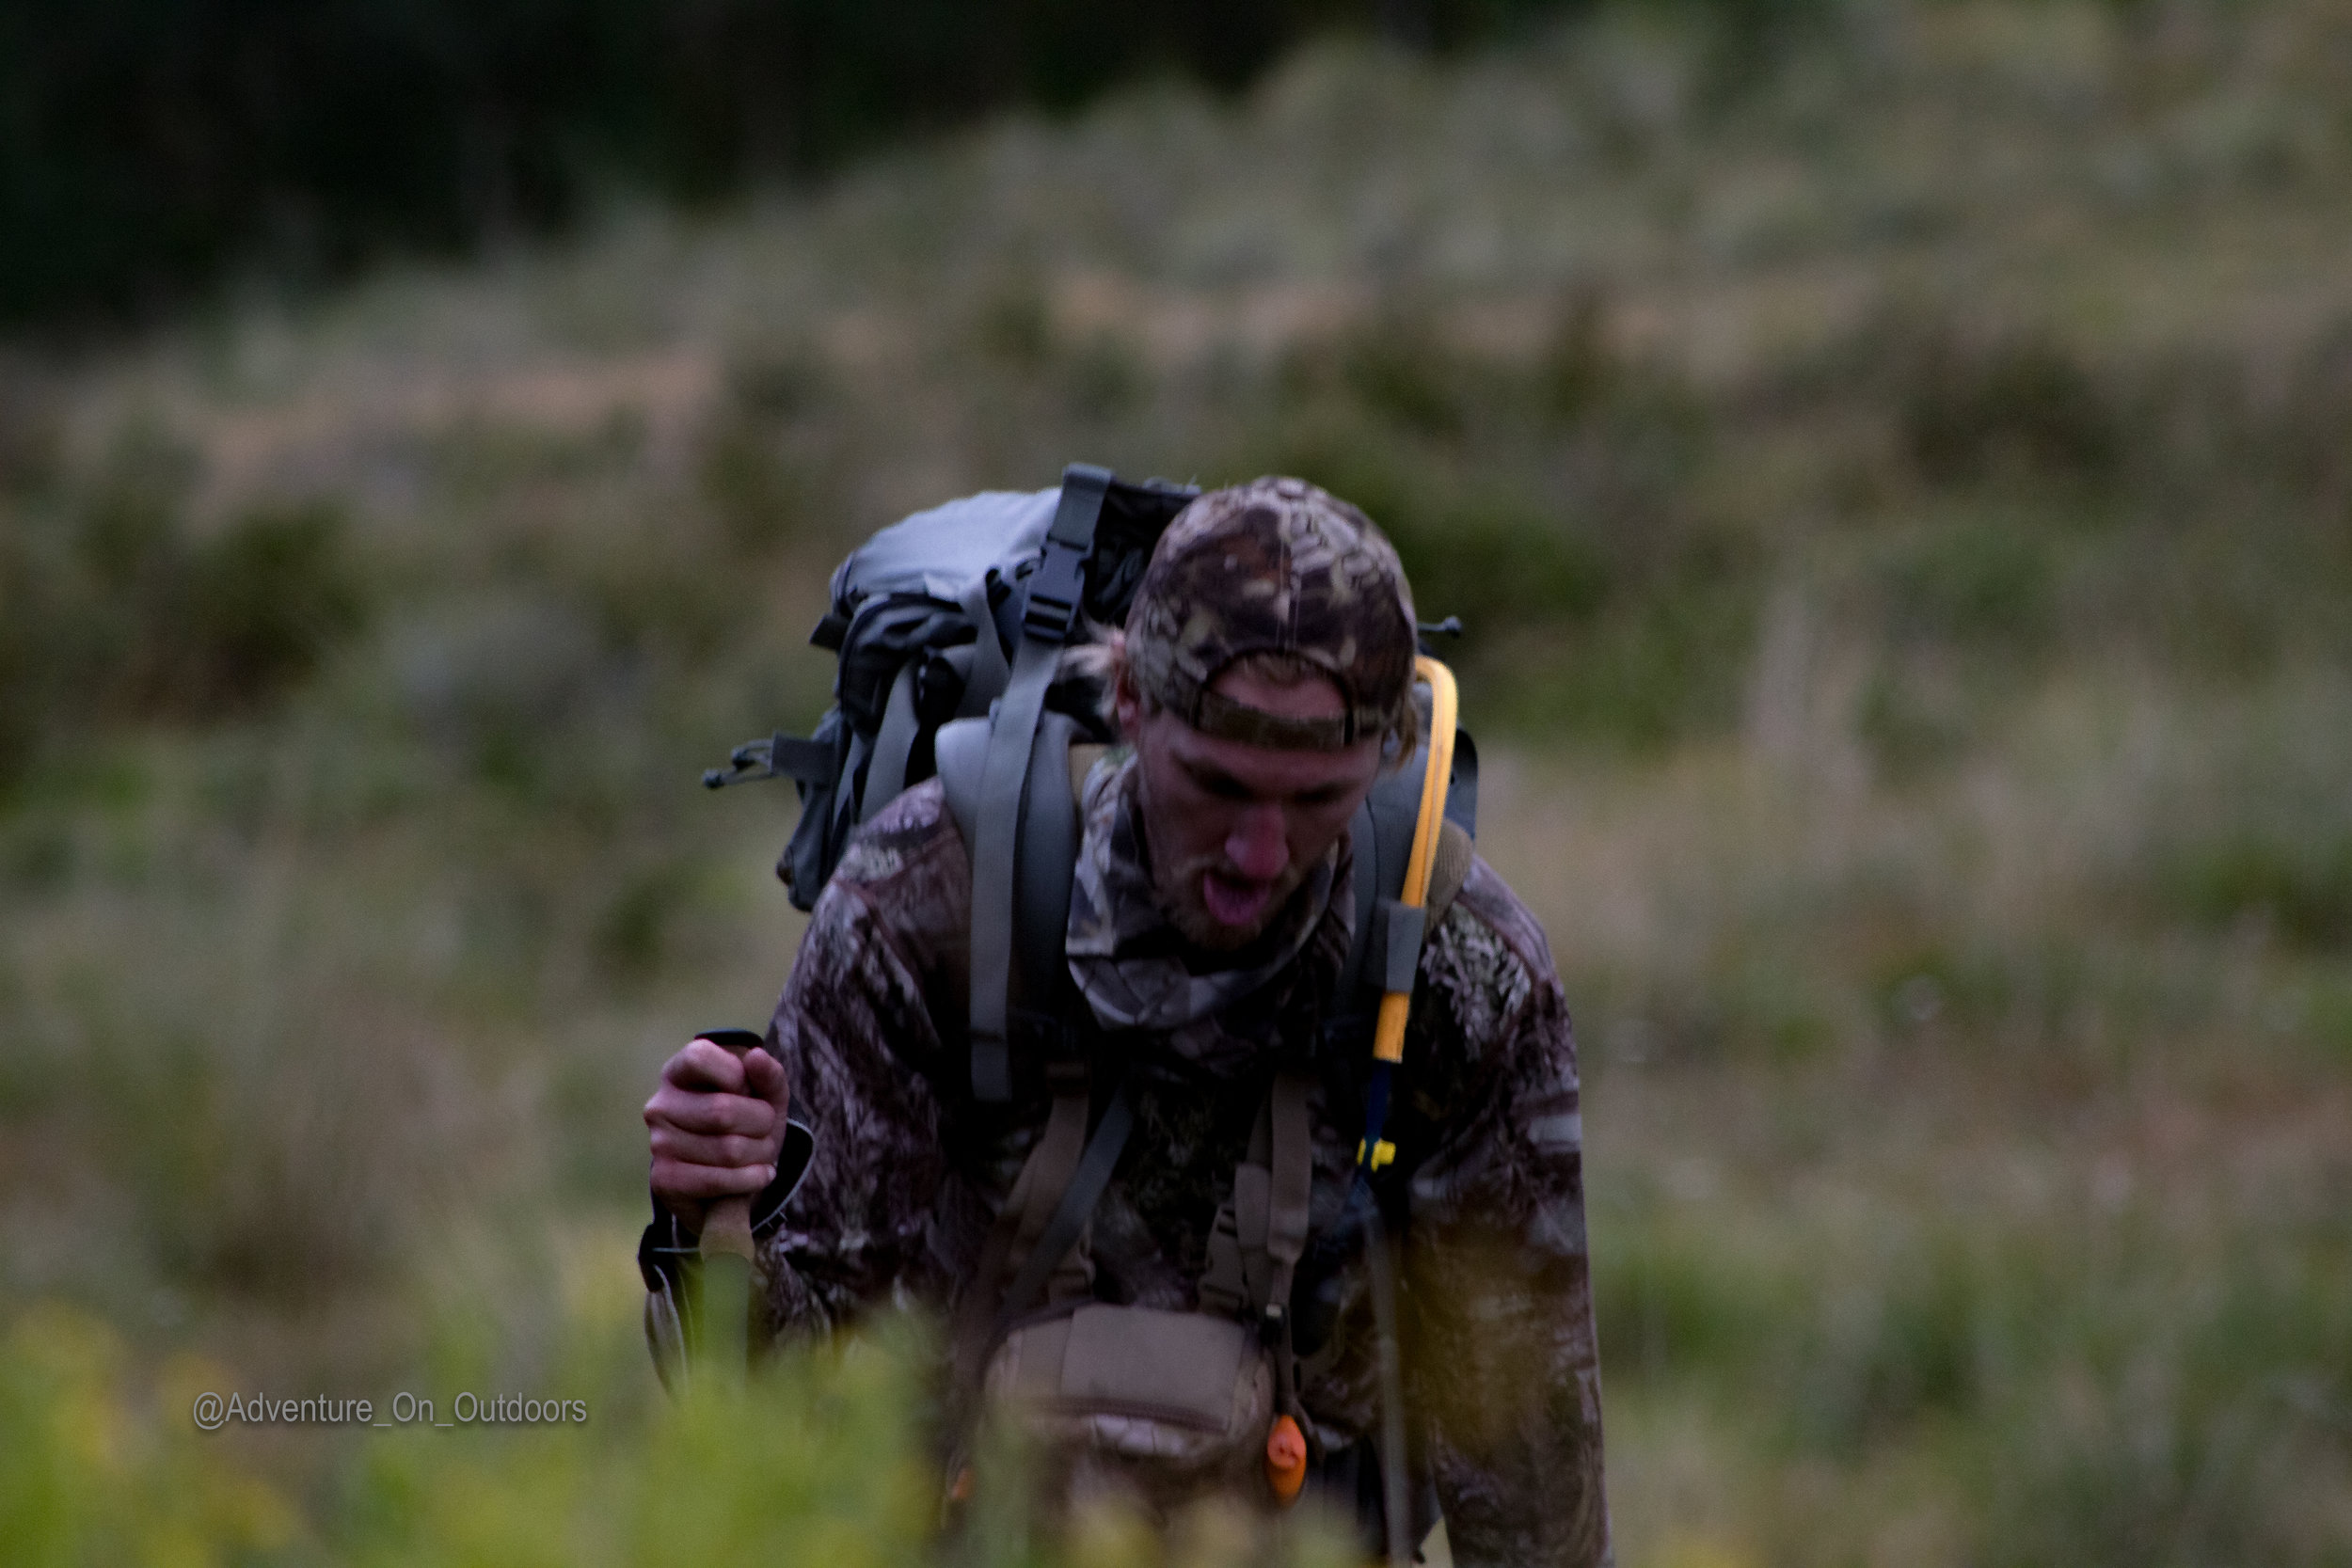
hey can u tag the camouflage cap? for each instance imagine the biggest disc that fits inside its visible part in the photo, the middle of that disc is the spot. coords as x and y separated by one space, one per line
1274 566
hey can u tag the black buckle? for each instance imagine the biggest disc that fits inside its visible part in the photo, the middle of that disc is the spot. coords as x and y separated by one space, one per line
1058 585
1049 1047
1270 1325
1056 588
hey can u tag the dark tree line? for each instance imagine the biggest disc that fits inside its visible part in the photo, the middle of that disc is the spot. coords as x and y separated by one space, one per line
146 146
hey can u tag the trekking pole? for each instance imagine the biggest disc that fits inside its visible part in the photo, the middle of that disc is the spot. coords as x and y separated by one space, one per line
730 1262
1396 1506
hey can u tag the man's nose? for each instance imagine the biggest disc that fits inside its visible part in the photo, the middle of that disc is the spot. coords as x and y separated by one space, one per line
1259 846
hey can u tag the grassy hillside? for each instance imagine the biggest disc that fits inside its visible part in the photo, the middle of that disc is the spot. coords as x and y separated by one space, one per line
1894 473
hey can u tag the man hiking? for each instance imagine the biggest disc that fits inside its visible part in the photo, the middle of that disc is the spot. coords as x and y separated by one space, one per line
1238 1244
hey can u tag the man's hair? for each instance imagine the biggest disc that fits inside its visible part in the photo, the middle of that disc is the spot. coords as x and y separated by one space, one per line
1103 659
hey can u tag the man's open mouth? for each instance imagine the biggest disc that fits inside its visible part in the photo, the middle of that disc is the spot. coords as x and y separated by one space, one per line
1232 901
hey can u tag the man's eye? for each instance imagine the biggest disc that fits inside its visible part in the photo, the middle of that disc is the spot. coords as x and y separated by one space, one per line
1224 788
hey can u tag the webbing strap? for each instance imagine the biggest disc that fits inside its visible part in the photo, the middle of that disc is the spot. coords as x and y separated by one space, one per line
803 760
1015 1232
1046 867
984 680
1055 591
1075 1209
1450 870
886 775
1002 778
1401 926
1286 1223
1236 1254
809 761
845 800
1047 1175
1293 1178
1261 1230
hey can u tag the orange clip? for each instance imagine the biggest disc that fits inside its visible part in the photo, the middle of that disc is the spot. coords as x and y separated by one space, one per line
1286 1458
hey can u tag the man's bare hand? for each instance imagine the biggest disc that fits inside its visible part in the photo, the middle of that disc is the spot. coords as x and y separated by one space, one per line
717 1127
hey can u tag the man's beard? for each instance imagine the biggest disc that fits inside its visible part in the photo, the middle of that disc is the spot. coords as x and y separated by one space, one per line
1177 890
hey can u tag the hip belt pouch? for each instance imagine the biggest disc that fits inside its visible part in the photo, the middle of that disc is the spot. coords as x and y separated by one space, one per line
1167 1404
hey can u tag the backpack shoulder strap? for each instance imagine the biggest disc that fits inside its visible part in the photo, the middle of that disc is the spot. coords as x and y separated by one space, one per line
1046 853
959 749
1050 612
1382 835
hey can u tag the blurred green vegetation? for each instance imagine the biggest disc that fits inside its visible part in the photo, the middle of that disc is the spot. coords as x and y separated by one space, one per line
820 1459
116 615
1895 485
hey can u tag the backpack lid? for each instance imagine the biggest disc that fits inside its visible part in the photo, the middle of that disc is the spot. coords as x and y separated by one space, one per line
939 552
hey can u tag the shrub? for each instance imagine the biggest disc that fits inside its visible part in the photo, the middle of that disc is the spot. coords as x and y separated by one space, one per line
2301 889
1671 1303
2020 403
112 608
263 606
1404 374
1989 581
1919 1343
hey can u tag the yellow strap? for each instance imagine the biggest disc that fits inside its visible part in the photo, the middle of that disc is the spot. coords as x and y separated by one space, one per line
1387 1038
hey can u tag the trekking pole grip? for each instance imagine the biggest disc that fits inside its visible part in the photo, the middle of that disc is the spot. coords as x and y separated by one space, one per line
730 1260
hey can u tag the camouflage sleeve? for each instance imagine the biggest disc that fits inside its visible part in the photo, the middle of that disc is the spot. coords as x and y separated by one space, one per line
1498 1301
878 1217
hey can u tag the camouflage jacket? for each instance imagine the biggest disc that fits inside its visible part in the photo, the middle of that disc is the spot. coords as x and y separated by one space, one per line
909 1172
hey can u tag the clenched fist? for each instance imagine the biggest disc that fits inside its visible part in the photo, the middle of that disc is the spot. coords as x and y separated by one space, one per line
716 1126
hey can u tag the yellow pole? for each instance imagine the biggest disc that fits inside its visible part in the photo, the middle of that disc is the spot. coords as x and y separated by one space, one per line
1387 1040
